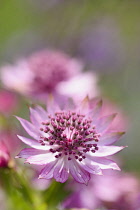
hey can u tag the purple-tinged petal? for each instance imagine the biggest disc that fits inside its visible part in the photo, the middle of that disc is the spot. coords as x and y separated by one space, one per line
43 114
110 138
61 171
84 106
106 151
35 118
104 122
41 159
96 111
51 105
28 152
79 174
30 128
104 163
90 167
33 143
47 172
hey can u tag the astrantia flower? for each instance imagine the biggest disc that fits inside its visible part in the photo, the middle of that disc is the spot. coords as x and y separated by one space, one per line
48 72
75 140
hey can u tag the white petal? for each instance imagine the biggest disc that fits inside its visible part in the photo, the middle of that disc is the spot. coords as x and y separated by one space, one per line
41 159
28 152
47 172
104 163
79 174
105 151
61 173
30 128
103 123
33 143
109 138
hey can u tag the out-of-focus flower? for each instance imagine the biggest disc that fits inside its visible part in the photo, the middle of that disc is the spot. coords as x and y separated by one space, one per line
101 46
111 191
8 102
119 192
4 155
8 148
48 72
79 86
75 140
81 197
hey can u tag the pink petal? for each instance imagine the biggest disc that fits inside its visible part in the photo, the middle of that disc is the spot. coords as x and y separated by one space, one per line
41 159
61 171
30 128
109 138
38 115
27 152
79 174
106 151
84 106
96 111
47 172
103 123
105 163
51 105
90 167
33 143
43 114
79 86
35 118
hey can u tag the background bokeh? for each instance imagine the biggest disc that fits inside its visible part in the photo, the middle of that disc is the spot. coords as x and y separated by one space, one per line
105 35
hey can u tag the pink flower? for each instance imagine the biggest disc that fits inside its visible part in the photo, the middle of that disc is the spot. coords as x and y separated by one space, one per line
118 191
4 155
8 102
48 72
8 148
112 191
75 140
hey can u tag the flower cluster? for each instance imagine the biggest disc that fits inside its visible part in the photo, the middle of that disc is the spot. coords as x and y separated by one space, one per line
74 135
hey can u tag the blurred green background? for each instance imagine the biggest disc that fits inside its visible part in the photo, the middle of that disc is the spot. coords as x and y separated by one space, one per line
74 26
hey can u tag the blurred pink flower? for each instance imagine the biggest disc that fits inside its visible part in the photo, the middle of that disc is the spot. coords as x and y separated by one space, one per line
8 102
4 155
112 191
8 148
119 191
75 140
48 72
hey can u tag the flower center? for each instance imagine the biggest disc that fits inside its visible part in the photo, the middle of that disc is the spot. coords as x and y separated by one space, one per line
71 134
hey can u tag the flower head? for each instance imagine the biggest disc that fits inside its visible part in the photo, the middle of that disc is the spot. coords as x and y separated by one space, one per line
46 72
75 140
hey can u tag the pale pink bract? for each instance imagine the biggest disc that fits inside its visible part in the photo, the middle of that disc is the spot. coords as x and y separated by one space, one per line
75 140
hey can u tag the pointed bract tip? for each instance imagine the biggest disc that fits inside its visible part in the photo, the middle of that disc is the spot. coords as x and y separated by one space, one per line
100 103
